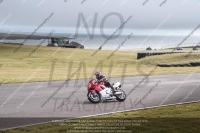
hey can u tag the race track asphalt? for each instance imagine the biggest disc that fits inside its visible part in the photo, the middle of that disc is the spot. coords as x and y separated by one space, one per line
33 103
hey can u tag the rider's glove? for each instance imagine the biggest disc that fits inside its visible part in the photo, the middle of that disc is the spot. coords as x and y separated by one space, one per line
102 80
99 80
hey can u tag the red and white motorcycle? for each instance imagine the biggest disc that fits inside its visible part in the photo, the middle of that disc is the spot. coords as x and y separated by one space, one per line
98 92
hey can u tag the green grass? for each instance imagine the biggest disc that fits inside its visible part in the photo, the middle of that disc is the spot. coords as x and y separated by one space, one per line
19 67
172 119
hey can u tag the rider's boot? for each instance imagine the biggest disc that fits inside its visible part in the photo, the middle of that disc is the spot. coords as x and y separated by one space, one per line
113 90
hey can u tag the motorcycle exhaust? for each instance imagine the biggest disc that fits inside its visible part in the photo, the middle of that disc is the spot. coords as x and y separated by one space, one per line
117 93
111 98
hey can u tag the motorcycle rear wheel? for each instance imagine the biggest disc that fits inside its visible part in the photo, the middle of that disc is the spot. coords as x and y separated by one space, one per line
121 97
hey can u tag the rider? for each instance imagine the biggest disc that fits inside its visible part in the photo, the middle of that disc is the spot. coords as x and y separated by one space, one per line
101 78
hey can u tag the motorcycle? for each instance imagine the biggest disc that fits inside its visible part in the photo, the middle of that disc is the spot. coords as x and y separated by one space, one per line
97 92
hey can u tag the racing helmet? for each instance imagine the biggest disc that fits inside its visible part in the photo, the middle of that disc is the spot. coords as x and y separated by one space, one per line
97 73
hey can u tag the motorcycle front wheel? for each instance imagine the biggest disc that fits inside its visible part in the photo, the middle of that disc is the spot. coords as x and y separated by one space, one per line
121 97
94 98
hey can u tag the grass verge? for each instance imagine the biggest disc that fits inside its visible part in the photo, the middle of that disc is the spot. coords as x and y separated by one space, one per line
171 119
17 67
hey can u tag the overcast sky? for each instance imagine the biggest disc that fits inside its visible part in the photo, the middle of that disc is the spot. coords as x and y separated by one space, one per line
173 16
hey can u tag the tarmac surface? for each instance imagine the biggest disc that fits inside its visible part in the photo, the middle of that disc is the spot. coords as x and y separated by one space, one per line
32 103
